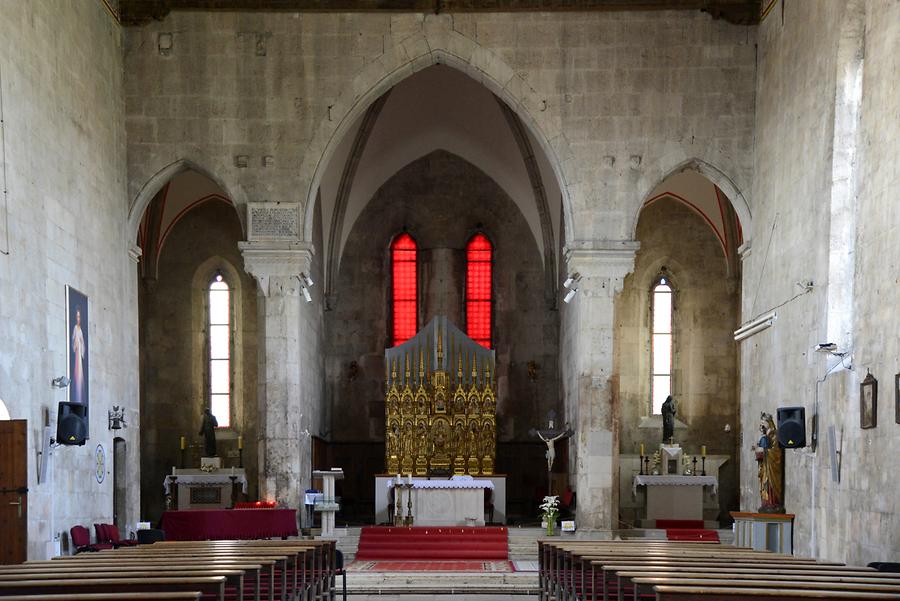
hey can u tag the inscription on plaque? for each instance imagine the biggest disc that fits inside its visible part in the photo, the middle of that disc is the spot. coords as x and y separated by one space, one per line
275 222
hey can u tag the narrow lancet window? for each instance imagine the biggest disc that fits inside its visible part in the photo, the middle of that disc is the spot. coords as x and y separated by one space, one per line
479 276
661 344
220 351
404 297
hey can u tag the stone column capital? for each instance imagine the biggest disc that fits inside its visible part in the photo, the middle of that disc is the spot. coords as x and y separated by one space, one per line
277 266
601 264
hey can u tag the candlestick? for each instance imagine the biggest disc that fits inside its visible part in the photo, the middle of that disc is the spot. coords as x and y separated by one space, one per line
647 465
694 466
641 461
240 442
703 467
703 451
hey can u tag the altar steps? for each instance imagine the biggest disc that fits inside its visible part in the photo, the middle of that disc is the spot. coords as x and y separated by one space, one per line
442 583
433 543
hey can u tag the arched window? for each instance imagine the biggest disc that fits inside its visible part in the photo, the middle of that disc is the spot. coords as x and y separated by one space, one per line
219 343
661 343
404 298
4 412
479 255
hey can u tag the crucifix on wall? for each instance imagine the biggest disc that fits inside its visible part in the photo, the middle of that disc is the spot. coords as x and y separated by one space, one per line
549 436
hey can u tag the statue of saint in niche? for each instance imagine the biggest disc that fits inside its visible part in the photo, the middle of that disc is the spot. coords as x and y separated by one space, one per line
668 420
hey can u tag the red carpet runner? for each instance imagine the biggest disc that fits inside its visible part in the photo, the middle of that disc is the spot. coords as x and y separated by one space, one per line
686 530
432 543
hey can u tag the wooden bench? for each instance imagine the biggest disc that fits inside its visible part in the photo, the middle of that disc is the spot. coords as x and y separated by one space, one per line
175 596
692 593
75 588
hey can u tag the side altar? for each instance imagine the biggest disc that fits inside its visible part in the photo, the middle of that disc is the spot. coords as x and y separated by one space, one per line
440 408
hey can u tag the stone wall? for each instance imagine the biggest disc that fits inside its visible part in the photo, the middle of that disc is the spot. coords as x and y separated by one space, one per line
64 139
704 373
174 372
823 181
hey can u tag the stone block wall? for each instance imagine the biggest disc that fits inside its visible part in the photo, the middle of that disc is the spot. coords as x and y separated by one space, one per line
61 66
818 170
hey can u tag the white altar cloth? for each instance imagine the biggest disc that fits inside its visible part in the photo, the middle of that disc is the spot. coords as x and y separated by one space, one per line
433 484
674 481
457 502
220 477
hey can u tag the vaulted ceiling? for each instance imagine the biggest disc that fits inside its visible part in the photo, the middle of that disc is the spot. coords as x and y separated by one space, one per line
137 12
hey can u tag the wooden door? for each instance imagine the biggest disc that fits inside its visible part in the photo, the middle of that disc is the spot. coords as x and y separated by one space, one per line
13 491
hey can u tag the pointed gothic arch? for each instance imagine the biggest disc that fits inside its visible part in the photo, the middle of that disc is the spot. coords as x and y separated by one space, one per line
437 43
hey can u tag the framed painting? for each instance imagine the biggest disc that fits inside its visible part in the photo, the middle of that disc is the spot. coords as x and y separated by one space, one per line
868 402
78 345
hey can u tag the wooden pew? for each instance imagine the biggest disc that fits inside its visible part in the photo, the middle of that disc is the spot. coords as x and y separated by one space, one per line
175 596
74 587
693 593
259 572
284 560
292 561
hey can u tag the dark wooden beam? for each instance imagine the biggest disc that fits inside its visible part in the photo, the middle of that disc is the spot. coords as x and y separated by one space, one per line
138 12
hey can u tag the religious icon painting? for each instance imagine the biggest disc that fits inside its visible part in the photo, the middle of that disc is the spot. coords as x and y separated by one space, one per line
78 345
868 402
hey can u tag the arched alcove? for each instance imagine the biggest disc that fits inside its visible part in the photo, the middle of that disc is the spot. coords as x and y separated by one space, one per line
189 233
688 233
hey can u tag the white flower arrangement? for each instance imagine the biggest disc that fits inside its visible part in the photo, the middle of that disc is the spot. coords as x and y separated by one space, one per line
550 508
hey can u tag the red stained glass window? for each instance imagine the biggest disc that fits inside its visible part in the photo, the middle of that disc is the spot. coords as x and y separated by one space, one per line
479 257
403 266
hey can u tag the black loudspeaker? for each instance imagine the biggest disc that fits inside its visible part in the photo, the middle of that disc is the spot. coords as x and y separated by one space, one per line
792 427
71 423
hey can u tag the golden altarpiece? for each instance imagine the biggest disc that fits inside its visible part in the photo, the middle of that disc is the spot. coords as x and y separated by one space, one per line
440 406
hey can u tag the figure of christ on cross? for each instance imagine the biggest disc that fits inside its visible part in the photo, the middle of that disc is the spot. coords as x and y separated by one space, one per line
549 436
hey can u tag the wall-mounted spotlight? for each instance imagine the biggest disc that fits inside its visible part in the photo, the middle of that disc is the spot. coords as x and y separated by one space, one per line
570 295
60 382
305 283
572 279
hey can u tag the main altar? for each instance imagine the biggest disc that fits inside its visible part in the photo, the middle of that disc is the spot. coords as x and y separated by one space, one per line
440 408
440 422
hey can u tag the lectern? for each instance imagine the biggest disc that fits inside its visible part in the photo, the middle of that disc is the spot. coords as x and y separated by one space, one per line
328 505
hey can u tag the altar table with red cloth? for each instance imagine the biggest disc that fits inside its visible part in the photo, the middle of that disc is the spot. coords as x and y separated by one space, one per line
223 524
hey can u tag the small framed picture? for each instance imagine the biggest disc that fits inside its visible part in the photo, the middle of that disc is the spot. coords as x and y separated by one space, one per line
897 398
868 402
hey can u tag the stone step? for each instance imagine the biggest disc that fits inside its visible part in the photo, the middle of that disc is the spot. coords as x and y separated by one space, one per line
377 583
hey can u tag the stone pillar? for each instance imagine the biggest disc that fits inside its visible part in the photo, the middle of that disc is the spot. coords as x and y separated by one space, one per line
284 443
589 389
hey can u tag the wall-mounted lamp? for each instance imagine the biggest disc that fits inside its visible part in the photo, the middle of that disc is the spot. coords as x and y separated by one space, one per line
572 279
829 348
757 325
305 283
60 382
570 295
